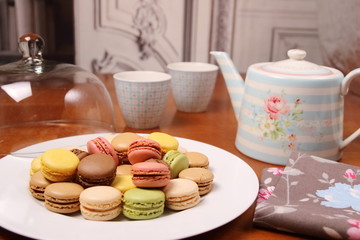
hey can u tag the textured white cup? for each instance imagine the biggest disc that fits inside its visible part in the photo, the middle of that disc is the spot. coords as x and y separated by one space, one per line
192 84
142 97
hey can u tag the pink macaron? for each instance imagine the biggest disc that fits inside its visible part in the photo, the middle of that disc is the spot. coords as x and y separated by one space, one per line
101 145
143 149
150 174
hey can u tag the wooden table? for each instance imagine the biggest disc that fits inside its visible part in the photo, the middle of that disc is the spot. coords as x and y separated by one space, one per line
217 126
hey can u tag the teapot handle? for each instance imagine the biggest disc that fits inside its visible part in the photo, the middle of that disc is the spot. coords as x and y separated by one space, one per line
347 80
350 138
344 90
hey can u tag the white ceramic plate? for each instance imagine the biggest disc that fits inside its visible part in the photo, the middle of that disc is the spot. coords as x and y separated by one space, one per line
235 189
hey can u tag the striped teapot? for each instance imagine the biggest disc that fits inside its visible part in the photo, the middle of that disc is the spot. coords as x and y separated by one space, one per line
285 106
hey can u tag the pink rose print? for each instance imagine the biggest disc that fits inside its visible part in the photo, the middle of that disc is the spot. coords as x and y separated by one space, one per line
354 232
350 174
276 171
264 194
276 105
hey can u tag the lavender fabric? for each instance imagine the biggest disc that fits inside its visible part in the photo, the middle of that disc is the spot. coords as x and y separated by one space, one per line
311 196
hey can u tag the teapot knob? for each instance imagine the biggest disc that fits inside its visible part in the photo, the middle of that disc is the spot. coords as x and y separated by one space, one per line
296 54
31 46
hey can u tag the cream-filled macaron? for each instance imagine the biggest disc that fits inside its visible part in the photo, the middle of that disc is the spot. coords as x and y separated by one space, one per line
181 194
100 203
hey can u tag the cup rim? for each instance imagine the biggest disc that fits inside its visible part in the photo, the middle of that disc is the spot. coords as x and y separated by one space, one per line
192 67
139 76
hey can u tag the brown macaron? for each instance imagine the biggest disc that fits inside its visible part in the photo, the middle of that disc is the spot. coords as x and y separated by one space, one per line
79 153
37 185
63 197
96 169
202 176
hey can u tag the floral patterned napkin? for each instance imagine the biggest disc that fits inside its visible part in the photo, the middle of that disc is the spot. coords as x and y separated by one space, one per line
312 196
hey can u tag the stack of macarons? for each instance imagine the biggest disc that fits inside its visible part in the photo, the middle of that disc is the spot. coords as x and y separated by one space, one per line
121 143
138 176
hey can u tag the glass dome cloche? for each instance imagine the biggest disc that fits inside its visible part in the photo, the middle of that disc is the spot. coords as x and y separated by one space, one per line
42 100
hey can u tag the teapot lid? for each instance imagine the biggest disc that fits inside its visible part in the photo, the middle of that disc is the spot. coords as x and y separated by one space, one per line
297 66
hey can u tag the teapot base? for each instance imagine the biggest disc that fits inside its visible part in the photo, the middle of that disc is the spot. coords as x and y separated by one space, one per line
277 155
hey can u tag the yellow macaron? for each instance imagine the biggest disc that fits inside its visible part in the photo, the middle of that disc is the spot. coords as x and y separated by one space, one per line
35 165
124 169
166 141
123 183
59 165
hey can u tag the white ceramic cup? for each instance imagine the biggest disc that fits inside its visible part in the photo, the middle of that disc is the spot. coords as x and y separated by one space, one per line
142 97
192 84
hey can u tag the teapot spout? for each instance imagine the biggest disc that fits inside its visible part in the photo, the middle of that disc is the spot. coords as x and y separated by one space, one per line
234 81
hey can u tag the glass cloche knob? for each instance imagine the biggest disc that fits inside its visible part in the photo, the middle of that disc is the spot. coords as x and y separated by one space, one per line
31 46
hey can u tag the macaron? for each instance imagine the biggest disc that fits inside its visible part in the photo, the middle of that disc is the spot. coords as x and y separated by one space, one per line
197 159
79 153
102 145
143 204
100 203
59 165
181 194
37 185
177 161
143 149
150 174
201 176
121 143
166 141
123 169
96 169
123 183
63 197
35 165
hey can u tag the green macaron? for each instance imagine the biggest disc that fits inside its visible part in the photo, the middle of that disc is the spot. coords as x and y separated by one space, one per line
143 204
177 162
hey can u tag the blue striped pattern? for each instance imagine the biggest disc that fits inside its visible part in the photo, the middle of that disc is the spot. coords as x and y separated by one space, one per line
271 158
263 77
302 147
306 115
233 80
310 99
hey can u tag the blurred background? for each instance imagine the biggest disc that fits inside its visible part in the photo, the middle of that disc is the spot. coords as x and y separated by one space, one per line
107 36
